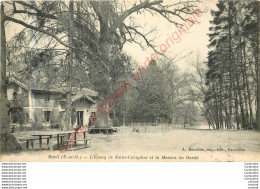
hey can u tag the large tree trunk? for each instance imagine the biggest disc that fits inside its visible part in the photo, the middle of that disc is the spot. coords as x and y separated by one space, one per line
258 72
247 85
240 99
244 82
220 105
68 111
216 106
230 67
125 110
8 142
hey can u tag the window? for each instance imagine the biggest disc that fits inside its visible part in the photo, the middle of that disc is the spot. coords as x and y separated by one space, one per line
62 114
26 117
47 116
14 95
20 90
80 115
47 97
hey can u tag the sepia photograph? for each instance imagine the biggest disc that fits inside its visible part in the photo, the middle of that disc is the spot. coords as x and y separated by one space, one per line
130 81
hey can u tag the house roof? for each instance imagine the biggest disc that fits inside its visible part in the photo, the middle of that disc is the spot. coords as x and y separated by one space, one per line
88 92
84 93
13 80
79 97
51 90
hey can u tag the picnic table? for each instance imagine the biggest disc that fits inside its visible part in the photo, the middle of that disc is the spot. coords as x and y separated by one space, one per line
103 129
58 134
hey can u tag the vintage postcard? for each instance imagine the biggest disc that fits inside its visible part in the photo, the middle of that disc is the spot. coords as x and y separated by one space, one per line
130 81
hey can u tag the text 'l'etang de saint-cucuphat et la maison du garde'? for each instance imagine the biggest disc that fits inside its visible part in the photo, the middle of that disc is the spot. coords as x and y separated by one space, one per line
175 37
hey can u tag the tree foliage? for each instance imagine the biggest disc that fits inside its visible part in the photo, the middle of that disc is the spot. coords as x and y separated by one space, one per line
231 80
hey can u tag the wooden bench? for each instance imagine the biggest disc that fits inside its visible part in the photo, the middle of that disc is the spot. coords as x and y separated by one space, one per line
87 143
62 138
31 139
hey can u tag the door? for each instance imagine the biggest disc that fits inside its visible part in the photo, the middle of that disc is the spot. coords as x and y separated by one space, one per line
80 117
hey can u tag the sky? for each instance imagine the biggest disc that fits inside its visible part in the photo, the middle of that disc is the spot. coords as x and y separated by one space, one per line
195 40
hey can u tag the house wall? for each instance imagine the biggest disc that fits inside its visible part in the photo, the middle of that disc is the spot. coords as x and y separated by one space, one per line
93 108
83 105
62 105
21 100
39 100
39 105
22 94
34 105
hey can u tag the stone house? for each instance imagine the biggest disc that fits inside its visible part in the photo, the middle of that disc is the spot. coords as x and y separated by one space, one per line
46 107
